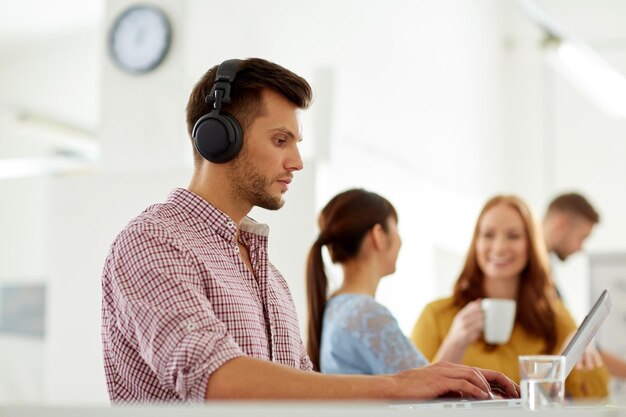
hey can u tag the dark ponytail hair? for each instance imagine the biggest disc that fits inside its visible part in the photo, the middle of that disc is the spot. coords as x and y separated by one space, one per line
343 223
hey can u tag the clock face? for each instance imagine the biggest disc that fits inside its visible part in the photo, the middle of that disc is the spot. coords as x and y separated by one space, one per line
140 39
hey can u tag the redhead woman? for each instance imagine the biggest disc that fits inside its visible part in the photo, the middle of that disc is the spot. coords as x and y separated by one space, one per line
507 260
350 333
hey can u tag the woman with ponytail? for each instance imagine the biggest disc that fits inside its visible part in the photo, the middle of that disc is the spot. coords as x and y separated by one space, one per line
349 332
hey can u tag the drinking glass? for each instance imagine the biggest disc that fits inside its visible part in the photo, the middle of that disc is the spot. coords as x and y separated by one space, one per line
542 381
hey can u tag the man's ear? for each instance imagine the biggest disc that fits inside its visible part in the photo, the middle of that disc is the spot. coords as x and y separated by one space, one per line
561 222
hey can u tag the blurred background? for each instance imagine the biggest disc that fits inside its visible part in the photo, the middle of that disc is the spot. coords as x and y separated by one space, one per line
435 104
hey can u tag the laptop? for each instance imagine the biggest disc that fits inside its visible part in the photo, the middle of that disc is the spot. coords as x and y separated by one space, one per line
572 352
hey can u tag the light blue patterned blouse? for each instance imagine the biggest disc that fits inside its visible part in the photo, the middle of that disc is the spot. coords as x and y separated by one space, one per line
360 336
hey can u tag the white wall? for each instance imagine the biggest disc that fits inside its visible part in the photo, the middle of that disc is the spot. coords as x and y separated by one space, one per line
23 261
590 150
55 76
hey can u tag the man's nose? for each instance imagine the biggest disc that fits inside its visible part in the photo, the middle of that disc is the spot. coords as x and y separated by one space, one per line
294 161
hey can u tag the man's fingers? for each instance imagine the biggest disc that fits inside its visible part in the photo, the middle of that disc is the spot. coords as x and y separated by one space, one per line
470 390
590 360
473 377
476 382
504 384
599 361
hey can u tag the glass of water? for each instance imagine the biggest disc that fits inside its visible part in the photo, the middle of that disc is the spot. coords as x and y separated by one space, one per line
542 381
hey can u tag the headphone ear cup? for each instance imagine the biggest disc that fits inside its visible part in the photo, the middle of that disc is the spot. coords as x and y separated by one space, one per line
235 136
218 137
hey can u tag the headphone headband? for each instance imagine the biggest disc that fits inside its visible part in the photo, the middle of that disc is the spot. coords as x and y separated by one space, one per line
224 77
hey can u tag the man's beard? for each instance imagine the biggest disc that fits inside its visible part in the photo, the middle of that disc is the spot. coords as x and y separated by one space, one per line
251 185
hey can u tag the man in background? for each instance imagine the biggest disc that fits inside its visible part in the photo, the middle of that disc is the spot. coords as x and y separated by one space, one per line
568 222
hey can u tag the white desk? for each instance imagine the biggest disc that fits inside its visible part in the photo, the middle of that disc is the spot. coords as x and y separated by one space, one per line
295 409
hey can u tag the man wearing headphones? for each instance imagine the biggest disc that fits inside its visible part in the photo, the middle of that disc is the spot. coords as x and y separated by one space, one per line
192 308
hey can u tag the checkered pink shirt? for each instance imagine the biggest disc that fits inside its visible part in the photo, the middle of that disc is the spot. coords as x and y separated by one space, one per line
178 302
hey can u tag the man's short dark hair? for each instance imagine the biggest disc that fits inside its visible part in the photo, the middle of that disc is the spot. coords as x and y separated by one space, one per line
254 76
576 204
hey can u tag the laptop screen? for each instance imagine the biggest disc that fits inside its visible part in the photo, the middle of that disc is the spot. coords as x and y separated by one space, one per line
586 331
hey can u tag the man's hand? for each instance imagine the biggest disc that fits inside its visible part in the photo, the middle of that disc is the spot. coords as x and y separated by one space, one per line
590 359
445 379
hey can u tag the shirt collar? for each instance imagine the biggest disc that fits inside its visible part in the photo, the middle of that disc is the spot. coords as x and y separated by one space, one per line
200 209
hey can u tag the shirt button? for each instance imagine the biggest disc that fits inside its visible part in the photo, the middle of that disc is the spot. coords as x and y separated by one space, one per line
230 225
191 327
236 249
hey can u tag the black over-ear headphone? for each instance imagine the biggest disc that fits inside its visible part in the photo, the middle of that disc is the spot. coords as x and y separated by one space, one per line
218 136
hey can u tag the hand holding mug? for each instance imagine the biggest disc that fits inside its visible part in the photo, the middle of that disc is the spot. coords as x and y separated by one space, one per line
468 324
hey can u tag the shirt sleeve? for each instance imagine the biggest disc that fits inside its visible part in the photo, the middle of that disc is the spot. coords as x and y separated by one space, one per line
305 361
579 384
425 333
162 310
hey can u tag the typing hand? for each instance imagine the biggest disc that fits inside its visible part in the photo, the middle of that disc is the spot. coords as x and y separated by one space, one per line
498 391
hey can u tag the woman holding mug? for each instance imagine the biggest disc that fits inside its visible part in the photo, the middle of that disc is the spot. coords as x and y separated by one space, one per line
506 260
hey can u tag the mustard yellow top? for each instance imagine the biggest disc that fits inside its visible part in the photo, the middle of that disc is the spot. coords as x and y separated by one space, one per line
435 322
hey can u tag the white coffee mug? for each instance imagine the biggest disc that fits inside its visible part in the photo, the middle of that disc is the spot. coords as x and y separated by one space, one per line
499 319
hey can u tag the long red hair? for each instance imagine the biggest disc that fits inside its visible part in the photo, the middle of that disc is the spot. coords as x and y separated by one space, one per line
535 311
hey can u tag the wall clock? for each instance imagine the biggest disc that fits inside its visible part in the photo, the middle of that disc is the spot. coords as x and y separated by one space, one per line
140 38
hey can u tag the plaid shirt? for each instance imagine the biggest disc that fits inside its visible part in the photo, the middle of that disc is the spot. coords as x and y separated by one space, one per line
178 302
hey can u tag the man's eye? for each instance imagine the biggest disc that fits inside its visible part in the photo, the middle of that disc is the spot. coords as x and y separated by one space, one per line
280 140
